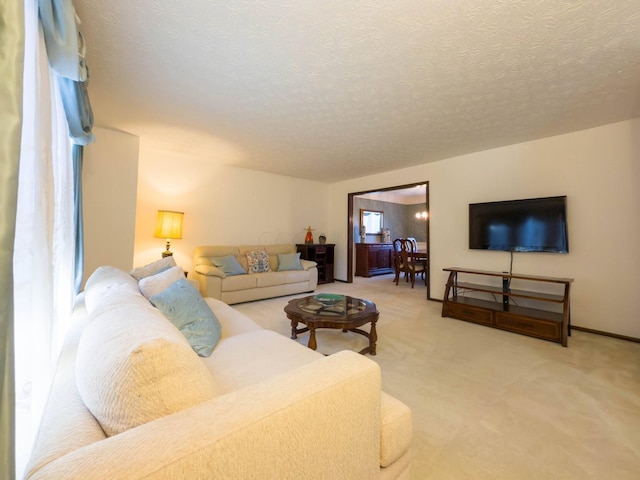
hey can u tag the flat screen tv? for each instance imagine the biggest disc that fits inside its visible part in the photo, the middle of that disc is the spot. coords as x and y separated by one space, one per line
529 225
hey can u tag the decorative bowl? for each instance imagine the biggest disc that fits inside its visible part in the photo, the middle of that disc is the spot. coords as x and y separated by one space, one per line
328 299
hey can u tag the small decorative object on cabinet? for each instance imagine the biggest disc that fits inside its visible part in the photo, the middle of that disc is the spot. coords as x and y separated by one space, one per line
322 239
374 259
309 237
513 310
322 255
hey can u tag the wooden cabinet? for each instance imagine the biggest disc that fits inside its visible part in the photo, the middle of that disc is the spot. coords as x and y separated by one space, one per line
519 311
374 259
322 254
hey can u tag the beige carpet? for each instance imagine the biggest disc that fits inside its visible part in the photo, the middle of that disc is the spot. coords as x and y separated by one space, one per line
489 404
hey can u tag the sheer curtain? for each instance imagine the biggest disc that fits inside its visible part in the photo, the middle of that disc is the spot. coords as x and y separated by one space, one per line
44 238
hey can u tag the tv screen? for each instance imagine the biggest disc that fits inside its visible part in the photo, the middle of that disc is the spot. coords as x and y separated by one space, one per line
529 225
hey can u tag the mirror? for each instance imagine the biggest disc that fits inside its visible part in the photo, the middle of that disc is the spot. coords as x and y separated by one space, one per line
372 220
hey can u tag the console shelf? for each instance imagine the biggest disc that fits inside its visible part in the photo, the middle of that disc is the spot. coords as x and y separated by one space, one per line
499 310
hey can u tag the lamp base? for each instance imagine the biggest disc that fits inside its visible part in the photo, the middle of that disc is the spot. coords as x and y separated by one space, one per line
167 251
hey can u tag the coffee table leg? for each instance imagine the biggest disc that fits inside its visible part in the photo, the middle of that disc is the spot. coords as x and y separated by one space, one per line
294 327
312 339
373 338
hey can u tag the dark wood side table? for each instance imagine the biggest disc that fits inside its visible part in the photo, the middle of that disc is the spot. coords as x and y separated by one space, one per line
322 254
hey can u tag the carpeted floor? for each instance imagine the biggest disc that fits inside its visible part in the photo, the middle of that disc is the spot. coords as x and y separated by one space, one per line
489 404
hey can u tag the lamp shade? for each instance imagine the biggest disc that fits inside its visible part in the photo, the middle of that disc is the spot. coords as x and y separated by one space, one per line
169 224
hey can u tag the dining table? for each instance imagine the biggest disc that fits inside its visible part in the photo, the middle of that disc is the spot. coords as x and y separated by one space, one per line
419 254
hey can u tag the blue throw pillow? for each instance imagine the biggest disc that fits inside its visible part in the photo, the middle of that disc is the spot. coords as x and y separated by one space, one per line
186 309
289 261
229 265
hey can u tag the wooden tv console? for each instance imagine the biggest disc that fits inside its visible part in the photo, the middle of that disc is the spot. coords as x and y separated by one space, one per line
501 312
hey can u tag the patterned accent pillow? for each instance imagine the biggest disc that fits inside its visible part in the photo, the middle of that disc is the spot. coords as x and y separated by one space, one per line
258 261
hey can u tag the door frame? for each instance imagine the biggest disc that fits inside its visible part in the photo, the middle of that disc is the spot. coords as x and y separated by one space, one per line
350 236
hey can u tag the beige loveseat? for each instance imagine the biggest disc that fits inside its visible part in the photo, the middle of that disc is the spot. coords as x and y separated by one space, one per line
260 406
214 283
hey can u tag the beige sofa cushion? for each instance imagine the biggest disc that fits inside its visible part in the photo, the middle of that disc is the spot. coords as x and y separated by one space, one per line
270 279
210 271
295 276
239 282
134 366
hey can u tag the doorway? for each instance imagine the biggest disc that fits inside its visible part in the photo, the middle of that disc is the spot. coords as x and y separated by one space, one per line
405 189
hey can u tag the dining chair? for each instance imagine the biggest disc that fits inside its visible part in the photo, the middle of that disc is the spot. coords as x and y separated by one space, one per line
403 260
415 249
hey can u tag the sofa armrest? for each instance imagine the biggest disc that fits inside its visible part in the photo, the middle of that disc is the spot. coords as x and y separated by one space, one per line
210 271
308 264
305 423
208 285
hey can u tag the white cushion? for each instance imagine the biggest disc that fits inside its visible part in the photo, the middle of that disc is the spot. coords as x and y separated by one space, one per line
133 366
104 279
153 267
158 283
395 430
249 358
118 296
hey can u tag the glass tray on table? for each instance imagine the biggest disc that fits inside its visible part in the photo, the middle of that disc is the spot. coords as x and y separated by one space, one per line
331 304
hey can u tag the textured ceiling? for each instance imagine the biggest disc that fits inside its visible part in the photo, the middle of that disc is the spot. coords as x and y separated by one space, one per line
404 196
337 89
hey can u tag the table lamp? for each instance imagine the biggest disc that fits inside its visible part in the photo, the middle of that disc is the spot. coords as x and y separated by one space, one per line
169 226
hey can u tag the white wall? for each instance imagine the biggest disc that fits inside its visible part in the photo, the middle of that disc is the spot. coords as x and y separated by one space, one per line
223 205
109 182
598 170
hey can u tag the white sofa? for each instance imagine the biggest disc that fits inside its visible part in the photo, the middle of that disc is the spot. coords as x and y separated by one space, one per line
214 283
260 406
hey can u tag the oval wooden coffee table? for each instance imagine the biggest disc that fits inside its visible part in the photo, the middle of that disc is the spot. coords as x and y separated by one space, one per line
346 313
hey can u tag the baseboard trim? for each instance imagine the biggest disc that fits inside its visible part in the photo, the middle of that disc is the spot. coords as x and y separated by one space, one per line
606 334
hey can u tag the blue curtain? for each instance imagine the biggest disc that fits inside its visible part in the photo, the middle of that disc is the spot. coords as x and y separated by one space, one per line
66 54
77 109
65 44
78 151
